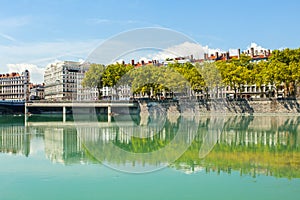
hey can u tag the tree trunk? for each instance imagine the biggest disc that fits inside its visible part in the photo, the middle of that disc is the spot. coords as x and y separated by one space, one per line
286 90
293 89
296 90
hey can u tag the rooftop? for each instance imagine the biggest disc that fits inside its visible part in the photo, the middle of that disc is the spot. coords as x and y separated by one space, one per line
11 75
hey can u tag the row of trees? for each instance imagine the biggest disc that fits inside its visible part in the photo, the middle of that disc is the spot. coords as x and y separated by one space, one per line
148 80
281 69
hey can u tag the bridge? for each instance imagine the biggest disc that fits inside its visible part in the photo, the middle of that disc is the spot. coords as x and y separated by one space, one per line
81 104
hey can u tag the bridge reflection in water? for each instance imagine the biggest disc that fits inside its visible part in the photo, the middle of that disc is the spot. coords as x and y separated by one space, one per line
266 145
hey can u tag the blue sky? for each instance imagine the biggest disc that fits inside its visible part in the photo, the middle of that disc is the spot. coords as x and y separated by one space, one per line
37 32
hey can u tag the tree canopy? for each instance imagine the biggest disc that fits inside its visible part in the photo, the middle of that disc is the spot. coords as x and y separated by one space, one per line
93 77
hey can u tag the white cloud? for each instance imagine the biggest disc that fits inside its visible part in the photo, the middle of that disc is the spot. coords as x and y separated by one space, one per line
197 50
213 50
42 53
13 57
181 50
256 47
7 37
185 49
81 61
36 73
282 48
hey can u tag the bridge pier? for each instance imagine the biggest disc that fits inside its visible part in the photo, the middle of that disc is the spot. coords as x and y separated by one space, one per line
109 113
64 113
26 114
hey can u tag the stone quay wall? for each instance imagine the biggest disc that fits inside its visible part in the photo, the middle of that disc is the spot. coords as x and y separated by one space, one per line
224 106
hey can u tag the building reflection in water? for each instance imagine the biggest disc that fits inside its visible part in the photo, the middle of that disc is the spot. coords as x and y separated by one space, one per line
14 140
62 145
251 145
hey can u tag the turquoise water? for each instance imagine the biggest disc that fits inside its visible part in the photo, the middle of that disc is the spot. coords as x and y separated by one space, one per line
251 158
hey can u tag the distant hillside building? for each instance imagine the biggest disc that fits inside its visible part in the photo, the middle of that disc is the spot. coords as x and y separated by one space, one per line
254 54
14 86
61 80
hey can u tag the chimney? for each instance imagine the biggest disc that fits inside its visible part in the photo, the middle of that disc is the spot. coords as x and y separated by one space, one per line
227 55
143 62
265 53
239 53
132 62
252 52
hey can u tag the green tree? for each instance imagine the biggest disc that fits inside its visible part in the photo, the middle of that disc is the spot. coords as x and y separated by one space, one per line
145 80
235 72
243 61
114 73
191 78
93 78
286 64
211 77
259 75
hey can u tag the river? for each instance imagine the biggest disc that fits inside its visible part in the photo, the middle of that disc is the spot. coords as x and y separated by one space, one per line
207 157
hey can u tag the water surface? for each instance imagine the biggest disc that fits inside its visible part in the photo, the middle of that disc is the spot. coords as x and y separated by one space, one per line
225 158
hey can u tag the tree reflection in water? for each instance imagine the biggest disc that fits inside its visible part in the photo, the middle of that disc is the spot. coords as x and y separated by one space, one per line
251 145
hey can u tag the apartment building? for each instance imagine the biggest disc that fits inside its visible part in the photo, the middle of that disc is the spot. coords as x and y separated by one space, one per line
61 80
14 86
37 91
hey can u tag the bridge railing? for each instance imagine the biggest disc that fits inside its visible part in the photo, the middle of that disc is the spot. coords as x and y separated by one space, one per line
95 101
